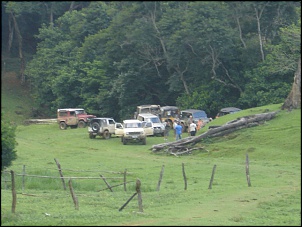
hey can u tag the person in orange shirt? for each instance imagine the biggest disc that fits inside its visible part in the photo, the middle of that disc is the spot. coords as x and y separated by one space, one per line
199 124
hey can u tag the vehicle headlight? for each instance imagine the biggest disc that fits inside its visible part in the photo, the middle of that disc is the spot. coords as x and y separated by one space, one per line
127 133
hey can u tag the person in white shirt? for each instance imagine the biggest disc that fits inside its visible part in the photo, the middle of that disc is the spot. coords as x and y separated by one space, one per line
193 127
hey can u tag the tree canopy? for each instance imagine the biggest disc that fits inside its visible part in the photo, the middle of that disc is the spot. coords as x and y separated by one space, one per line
110 56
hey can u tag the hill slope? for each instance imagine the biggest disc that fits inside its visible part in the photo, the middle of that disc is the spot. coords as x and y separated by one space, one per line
16 103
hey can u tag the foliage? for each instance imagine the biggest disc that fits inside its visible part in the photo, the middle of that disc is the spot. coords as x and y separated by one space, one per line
8 143
205 54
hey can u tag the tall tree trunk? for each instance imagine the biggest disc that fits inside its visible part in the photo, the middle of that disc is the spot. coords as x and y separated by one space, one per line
293 100
158 35
258 17
10 34
51 16
71 6
237 16
22 61
182 78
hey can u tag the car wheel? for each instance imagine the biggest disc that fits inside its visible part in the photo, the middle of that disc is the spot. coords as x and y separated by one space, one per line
82 124
124 141
91 136
62 125
106 135
95 127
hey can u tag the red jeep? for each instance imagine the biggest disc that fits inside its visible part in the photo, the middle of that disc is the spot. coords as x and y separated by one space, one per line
73 118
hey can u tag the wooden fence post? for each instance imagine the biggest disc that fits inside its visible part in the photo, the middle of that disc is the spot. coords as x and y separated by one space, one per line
125 172
247 171
23 178
108 185
74 198
160 177
184 175
5 180
60 171
139 195
212 177
14 201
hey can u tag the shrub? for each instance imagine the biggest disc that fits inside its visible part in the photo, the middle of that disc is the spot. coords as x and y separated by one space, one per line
8 143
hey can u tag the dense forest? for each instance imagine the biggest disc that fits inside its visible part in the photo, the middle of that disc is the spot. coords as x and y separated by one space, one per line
110 56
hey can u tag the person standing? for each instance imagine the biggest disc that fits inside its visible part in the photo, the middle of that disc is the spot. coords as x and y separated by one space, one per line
174 126
189 121
193 128
178 131
167 129
199 124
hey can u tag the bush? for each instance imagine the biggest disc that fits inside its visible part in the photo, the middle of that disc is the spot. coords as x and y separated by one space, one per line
8 143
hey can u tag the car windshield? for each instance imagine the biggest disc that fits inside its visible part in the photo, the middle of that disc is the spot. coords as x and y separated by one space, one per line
133 125
146 110
199 114
80 112
154 120
170 113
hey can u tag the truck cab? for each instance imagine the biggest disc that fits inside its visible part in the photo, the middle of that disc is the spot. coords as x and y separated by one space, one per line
143 109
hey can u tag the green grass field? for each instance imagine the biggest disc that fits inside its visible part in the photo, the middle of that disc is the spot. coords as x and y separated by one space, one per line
274 198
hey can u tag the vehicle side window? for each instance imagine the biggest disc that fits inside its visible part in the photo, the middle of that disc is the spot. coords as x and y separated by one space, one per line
72 114
111 122
62 114
104 122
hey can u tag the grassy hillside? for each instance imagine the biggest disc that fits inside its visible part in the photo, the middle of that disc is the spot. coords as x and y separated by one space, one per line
274 198
16 103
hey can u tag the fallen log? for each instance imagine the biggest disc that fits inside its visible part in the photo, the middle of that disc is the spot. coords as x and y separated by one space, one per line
40 121
185 145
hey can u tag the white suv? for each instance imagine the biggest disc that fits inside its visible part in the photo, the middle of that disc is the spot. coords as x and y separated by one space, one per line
157 125
101 126
134 130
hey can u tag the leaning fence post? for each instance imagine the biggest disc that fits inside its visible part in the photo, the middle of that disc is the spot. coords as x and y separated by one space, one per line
160 177
184 175
23 178
60 171
74 198
247 171
122 207
212 177
13 192
139 195
108 185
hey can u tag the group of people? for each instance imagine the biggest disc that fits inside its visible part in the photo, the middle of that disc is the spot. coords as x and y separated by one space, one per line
178 128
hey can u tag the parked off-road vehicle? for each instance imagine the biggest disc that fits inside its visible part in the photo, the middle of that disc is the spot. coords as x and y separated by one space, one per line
143 109
227 110
169 113
196 115
101 126
134 130
73 118
157 125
